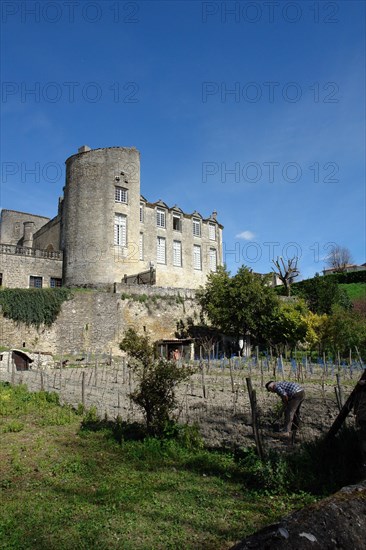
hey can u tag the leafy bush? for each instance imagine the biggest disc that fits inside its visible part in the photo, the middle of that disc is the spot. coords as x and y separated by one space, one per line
347 278
157 379
33 306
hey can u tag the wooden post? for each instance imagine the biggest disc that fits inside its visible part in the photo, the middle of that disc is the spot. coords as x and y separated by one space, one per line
340 391
231 376
202 368
336 391
96 370
83 388
339 362
359 357
253 404
12 370
347 407
306 366
325 367
262 375
350 362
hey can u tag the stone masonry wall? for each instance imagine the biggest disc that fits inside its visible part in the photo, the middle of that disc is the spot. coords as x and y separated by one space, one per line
96 321
48 235
12 225
17 268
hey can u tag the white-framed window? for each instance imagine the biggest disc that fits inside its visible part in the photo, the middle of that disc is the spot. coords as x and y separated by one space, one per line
141 246
160 250
197 264
35 282
177 253
177 222
120 230
120 194
55 282
196 227
160 217
212 231
142 213
213 259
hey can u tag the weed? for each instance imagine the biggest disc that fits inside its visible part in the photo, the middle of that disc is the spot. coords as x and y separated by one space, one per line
13 426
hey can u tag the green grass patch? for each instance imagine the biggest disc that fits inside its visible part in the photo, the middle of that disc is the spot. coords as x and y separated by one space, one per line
354 290
70 482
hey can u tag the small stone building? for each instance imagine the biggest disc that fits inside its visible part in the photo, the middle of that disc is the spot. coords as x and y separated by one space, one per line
106 232
15 358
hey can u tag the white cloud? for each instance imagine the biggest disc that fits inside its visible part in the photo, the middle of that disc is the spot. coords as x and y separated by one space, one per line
246 235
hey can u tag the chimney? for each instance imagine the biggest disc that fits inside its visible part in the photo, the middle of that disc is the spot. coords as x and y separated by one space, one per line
84 149
214 214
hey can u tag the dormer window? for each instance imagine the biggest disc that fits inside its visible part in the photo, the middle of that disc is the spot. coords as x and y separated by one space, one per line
177 222
196 227
160 217
120 194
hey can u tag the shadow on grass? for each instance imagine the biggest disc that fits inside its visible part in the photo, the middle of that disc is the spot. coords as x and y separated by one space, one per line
117 429
319 467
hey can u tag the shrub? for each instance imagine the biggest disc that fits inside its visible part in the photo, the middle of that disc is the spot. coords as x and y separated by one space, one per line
33 306
157 379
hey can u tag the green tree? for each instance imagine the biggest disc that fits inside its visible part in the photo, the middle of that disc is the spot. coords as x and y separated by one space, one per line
289 327
239 305
345 330
157 380
322 294
315 327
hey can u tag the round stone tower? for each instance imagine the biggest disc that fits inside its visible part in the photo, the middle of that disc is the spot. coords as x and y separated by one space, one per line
100 215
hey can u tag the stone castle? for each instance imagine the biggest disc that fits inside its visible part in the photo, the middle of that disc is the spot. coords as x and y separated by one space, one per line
106 233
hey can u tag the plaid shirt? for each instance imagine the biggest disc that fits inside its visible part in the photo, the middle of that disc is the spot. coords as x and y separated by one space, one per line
287 389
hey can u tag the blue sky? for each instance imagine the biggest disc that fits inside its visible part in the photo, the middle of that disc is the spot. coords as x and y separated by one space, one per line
253 109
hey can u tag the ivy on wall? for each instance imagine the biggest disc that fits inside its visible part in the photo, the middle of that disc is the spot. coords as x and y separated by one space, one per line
33 306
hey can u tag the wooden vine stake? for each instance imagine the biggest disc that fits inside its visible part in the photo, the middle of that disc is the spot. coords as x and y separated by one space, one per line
346 409
256 432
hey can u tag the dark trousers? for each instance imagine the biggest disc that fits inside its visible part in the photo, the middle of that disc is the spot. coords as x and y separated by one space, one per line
292 411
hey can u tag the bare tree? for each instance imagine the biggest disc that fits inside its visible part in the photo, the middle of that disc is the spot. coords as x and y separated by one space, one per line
339 258
286 272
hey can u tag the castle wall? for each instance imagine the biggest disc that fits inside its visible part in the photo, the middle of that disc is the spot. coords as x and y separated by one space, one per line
96 321
49 235
12 225
17 268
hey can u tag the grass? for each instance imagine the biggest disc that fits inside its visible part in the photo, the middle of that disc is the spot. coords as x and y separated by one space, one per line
68 482
354 290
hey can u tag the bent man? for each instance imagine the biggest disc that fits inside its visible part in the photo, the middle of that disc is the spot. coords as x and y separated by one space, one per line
292 396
